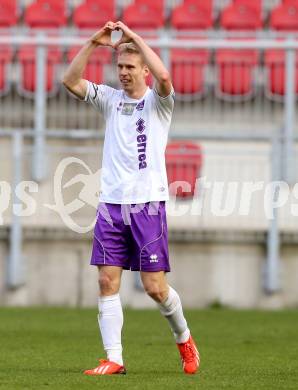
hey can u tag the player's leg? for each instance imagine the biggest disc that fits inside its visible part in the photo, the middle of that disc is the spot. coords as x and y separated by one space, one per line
151 257
110 317
110 321
109 254
168 300
169 303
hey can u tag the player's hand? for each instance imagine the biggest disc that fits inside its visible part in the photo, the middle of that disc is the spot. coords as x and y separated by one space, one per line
127 34
103 36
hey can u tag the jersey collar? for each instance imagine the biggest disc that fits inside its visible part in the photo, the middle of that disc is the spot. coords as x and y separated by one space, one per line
127 98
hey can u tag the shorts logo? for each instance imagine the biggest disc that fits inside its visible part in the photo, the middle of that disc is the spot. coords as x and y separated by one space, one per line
154 258
140 105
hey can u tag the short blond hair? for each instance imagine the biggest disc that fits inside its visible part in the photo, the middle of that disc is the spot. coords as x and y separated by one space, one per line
129 48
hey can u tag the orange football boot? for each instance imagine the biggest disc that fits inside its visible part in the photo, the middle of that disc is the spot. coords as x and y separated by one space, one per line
106 367
190 357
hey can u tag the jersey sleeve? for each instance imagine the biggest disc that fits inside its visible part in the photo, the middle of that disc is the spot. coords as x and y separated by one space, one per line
99 96
164 105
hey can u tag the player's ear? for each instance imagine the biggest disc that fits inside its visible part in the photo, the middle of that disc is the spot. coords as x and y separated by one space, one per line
146 71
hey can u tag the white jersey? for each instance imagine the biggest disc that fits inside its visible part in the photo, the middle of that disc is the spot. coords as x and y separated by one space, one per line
133 164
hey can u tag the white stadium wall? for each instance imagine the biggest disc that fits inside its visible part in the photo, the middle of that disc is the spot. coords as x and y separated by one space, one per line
215 260
58 273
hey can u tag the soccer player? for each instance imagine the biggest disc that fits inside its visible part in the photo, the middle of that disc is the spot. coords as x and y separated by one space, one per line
131 228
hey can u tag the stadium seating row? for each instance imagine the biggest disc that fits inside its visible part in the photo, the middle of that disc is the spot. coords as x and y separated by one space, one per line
150 14
184 161
235 67
235 70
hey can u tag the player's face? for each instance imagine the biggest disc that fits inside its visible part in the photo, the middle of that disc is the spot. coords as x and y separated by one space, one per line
132 72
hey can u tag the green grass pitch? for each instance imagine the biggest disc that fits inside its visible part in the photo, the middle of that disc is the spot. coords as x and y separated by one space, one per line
49 348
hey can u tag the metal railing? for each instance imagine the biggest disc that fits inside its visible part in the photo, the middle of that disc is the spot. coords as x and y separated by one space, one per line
165 44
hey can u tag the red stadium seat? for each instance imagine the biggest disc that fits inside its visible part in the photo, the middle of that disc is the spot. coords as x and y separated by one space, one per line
276 75
235 69
188 72
143 17
60 5
5 59
95 66
291 2
183 163
27 59
207 5
157 4
45 14
8 13
93 13
188 65
191 16
254 4
240 17
284 17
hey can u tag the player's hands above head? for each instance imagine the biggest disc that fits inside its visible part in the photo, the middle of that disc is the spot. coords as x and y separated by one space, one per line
127 34
103 36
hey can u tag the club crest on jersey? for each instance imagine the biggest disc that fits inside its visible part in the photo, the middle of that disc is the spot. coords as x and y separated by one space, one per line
140 125
140 105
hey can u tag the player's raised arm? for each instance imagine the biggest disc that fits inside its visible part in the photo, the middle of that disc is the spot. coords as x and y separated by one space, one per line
72 79
151 59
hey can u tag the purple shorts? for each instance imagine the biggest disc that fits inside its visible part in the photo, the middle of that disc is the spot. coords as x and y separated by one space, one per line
132 237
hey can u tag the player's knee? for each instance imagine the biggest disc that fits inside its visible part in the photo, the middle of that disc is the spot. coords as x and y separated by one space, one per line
107 284
155 291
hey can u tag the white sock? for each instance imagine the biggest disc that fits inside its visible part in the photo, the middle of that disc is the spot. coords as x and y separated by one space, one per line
110 320
171 308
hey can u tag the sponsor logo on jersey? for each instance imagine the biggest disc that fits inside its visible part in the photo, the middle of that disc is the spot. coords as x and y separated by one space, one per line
141 143
140 105
128 108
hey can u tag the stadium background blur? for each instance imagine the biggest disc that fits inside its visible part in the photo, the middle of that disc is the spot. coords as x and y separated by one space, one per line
234 122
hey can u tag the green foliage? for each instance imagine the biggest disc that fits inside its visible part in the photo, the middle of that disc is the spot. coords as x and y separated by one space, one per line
49 348
216 305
